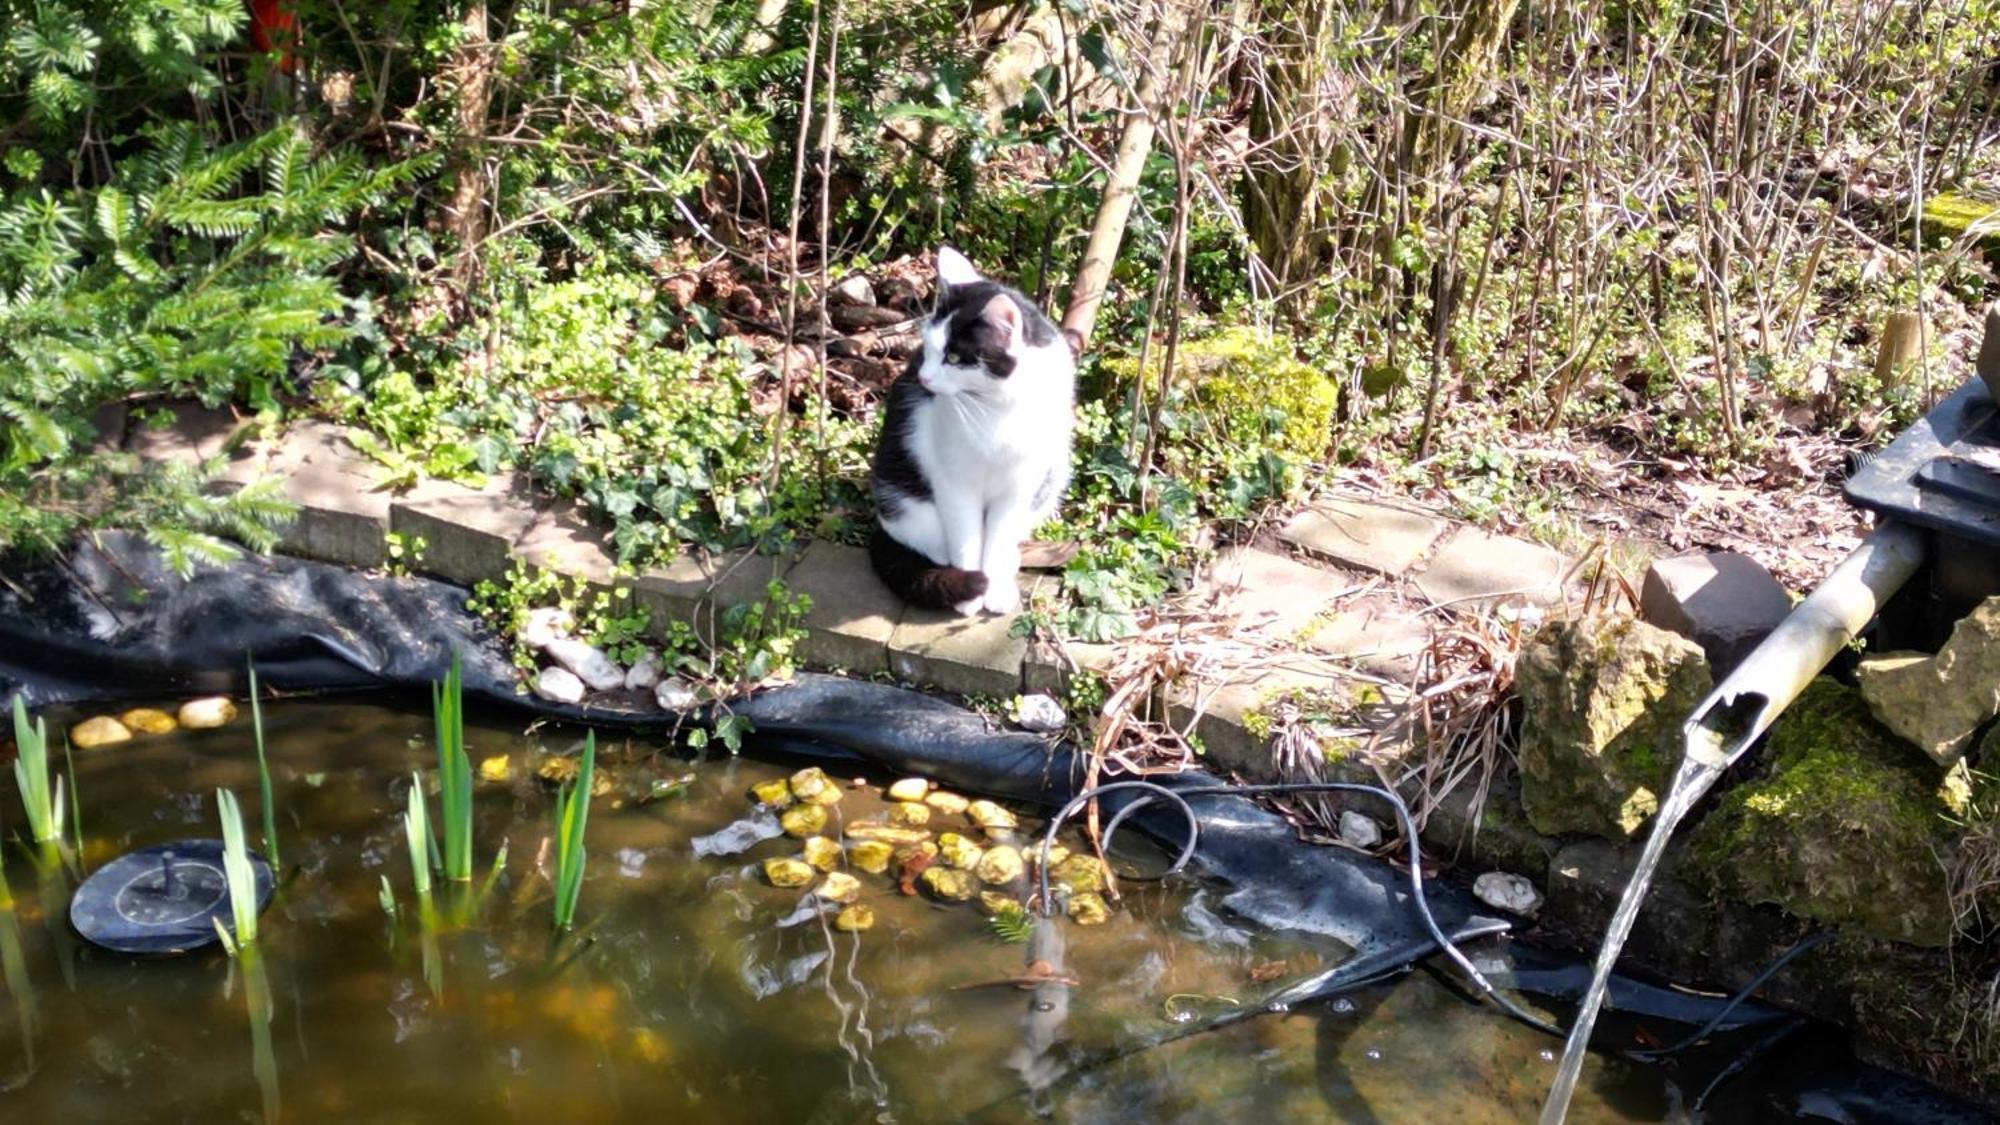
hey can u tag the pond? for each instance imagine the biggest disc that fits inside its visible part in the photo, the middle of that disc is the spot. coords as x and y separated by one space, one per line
691 989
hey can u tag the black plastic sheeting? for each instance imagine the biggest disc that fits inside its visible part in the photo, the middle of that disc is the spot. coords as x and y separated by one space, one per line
110 622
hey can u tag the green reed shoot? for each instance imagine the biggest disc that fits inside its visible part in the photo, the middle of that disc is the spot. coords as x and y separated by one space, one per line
572 813
237 870
454 775
31 774
75 803
263 775
416 828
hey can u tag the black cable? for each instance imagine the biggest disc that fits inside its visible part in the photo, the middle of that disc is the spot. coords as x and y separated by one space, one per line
1742 994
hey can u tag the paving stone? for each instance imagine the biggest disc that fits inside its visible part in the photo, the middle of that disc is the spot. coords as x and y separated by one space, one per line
469 533
1230 709
564 539
1477 566
968 655
1047 671
1368 536
853 615
1378 635
1721 600
1272 593
742 577
673 591
343 512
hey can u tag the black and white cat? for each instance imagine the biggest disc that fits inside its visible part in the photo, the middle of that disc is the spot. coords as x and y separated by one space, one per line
975 447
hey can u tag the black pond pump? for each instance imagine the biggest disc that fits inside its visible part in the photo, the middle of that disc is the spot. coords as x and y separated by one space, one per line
161 900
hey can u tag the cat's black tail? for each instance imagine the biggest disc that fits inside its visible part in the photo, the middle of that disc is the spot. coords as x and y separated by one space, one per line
919 581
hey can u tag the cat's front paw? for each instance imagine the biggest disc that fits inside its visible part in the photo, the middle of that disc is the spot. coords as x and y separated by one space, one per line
1003 597
970 607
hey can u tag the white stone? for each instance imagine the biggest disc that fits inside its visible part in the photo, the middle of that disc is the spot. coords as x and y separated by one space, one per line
1511 893
1358 830
1039 713
207 713
852 290
588 662
558 685
644 672
544 626
674 694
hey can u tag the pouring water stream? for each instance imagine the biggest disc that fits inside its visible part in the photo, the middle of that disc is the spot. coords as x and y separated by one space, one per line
1729 721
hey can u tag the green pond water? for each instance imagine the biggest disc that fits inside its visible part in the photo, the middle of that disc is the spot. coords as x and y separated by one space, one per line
682 998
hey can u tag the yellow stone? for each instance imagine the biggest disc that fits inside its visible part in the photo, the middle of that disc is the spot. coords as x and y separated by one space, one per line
558 769
839 886
1080 873
148 720
887 834
98 730
854 919
822 853
207 713
871 856
803 820
1000 865
908 852
777 793
1054 855
908 814
990 816
788 872
995 903
812 785
909 789
957 851
648 1045
950 804
949 884
1087 909
497 770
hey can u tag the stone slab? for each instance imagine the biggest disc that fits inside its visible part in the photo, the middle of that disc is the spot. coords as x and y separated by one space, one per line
180 431
1672 934
742 577
853 615
1377 635
469 533
564 539
1047 671
1721 600
1365 536
1478 566
343 511
1272 593
673 591
968 655
1228 713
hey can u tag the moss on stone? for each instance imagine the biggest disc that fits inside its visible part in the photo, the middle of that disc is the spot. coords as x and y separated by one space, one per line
1252 391
1950 216
1603 700
1846 826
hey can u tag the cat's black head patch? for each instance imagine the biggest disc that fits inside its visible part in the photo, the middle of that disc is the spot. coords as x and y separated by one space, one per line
973 334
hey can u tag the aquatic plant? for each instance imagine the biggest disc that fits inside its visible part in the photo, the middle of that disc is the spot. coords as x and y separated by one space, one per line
572 813
75 803
31 774
1012 924
454 775
263 775
238 873
416 828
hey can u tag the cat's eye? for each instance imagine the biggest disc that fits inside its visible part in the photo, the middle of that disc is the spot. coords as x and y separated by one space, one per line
958 359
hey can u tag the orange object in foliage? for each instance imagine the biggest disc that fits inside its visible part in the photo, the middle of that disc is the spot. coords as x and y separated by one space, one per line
274 27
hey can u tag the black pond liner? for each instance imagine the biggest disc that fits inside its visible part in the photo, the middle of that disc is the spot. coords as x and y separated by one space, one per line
110 622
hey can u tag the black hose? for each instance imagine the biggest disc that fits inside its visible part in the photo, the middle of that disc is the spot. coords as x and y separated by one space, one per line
1741 995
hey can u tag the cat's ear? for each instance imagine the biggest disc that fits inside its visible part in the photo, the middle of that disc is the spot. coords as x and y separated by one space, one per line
953 268
1001 312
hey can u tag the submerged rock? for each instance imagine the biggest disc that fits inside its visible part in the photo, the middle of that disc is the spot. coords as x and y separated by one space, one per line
1511 893
957 851
854 918
558 685
1603 701
822 853
496 770
950 804
949 883
990 816
789 872
1080 873
909 814
888 834
148 720
1845 827
839 886
98 730
776 793
803 820
812 786
587 662
207 713
1087 909
999 866
909 789
1940 702
871 856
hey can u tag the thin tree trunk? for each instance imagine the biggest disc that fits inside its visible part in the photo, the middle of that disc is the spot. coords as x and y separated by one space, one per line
1135 144
466 214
